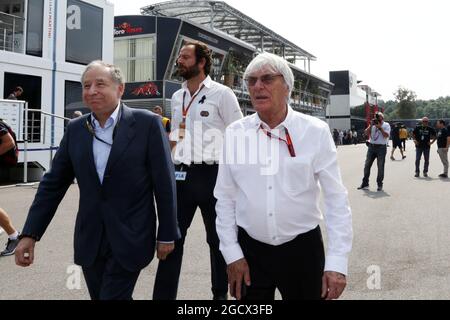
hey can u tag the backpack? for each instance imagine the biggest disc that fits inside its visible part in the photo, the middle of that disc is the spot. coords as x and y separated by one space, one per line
11 157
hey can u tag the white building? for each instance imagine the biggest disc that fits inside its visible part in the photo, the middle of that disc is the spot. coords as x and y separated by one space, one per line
44 47
347 95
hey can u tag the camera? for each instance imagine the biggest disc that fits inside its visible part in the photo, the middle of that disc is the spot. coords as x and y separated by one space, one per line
377 119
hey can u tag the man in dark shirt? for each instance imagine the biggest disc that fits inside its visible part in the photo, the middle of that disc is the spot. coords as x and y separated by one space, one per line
15 94
396 141
443 142
423 134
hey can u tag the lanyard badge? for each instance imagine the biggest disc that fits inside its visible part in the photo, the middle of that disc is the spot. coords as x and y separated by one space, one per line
182 131
288 140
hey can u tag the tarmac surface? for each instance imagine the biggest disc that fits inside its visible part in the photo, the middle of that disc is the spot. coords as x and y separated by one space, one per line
401 247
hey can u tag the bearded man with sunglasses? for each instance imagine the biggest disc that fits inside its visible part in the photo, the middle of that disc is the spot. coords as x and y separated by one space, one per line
121 160
274 165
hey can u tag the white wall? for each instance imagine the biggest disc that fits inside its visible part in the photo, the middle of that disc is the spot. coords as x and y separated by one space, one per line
43 66
339 106
340 124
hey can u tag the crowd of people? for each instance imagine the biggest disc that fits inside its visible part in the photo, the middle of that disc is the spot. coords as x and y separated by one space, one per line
346 137
424 136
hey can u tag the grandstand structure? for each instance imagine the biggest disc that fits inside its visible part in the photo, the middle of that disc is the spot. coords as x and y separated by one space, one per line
234 38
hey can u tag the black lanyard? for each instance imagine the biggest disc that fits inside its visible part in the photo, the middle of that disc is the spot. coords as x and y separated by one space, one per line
92 131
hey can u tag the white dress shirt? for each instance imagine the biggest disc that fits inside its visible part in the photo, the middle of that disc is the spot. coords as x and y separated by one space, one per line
213 109
275 197
376 137
102 150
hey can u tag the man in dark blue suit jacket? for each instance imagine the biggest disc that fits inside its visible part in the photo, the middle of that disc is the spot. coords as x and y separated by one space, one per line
121 160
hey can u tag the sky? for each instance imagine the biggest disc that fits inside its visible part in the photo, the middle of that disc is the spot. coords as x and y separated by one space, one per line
386 43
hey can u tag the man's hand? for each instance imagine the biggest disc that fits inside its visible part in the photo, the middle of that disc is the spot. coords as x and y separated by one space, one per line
333 284
164 249
238 274
25 252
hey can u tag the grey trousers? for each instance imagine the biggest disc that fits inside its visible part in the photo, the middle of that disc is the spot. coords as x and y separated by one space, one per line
443 153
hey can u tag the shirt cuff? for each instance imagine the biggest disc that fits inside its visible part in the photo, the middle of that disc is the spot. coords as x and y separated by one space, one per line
232 254
336 264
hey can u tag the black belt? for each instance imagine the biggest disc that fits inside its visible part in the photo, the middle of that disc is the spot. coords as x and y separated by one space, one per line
377 145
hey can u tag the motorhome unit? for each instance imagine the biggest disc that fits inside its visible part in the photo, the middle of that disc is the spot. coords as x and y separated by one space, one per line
44 48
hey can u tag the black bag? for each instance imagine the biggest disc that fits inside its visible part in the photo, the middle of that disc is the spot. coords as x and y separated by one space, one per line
11 157
367 143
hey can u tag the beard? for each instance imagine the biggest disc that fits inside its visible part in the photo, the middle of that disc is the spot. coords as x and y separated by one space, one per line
189 72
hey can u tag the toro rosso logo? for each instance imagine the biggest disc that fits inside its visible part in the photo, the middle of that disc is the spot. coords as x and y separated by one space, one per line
148 89
126 28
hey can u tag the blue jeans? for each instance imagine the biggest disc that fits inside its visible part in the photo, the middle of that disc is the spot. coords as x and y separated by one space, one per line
379 153
426 155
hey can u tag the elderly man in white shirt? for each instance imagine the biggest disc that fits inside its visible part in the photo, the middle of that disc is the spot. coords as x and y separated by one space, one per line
274 165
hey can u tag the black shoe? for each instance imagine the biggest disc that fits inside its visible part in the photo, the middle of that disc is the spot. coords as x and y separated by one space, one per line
425 175
444 176
404 157
221 297
10 248
380 188
417 175
363 187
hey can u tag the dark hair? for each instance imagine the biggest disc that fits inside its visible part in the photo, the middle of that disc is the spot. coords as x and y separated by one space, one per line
442 121
201 52
379 114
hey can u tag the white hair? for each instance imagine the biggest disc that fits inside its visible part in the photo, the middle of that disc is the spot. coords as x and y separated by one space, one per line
114 71
274 62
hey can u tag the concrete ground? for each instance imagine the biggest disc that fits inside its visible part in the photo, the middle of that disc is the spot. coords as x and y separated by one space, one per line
401 240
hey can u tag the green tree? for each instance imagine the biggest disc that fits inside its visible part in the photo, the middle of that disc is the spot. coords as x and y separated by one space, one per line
406 103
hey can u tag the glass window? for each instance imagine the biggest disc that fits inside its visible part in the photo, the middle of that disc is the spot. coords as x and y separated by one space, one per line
136 58
12 24
35 27
84 32
73 99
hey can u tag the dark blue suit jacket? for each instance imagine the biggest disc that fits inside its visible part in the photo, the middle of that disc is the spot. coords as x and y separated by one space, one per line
122 209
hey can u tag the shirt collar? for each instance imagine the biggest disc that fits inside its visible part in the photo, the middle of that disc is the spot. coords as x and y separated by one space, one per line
207 83
112 120
287 123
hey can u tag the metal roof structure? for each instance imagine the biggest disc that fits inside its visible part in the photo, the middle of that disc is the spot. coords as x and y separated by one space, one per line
218 15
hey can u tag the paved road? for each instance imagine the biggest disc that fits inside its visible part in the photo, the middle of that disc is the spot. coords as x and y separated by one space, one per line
403 232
